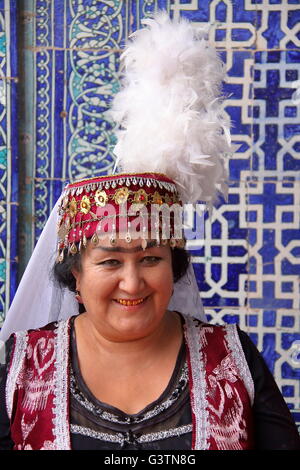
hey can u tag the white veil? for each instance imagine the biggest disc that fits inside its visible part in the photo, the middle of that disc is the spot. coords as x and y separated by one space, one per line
40 300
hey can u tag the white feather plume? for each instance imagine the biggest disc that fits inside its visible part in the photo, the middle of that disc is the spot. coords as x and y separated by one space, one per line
169 110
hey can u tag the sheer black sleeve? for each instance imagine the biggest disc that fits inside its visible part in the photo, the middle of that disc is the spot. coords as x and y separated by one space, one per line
6 442
274 426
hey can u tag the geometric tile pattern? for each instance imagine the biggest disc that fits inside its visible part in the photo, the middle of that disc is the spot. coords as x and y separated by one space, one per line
248 264
8 155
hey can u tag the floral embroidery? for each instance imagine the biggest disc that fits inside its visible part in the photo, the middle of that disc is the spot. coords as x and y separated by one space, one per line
219 398
224 371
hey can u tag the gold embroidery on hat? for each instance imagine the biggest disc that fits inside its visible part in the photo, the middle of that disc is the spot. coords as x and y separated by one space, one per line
73 207
95 239
62 231
113 240
157 198
172 242
121 195
168 200
141 197
61 257
65 202
85 205
67 223
101 198
73 249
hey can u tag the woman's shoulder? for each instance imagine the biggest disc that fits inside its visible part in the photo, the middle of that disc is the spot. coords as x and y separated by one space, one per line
25 337
196 322
45 329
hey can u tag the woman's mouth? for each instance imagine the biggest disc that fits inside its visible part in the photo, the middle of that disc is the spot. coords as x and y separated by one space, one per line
130 303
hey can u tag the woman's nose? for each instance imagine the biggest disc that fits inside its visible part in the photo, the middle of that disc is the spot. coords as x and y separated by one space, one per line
131 280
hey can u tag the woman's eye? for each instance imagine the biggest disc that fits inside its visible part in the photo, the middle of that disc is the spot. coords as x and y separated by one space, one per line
151 259
109 262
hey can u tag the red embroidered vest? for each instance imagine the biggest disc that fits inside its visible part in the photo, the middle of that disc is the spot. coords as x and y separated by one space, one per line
221 388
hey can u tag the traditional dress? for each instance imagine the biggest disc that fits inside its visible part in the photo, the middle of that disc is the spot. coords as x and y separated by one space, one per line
221 395
209 404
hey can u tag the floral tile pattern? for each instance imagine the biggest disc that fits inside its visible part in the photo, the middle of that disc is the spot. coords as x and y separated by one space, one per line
8 155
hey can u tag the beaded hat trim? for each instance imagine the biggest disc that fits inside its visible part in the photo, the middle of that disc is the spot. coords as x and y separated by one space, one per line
88 204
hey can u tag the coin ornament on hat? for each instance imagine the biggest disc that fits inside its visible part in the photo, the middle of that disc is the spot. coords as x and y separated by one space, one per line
109 205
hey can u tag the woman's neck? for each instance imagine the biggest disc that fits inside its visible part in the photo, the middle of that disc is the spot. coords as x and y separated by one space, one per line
128 354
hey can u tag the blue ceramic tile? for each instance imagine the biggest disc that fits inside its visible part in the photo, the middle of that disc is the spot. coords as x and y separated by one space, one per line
221 11
46 193
229 318
273 197
224 253
8 154
272 24
273 34
288 321
252 320
13 231
289 372
269 318
3 232
276 114
288 391
287 287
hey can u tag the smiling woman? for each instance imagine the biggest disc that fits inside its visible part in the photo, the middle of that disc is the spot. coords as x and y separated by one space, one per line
125 291
129 371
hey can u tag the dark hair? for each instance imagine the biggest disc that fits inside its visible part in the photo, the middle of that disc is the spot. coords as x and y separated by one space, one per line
63 271
180 262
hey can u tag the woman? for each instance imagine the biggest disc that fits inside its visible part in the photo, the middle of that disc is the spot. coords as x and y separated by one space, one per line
130 372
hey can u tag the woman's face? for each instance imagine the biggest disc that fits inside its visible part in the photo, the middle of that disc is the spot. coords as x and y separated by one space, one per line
125 289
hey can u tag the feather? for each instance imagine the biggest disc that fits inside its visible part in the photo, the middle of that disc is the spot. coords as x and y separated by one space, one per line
169 112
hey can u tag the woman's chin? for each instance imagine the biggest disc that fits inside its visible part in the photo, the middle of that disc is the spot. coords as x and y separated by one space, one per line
134 325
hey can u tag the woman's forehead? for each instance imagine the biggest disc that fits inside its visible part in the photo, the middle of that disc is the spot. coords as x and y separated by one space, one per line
122 246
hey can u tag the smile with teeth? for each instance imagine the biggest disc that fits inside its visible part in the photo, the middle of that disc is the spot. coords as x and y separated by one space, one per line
130 303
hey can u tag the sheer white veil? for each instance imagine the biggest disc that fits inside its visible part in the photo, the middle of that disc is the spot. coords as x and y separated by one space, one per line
39 300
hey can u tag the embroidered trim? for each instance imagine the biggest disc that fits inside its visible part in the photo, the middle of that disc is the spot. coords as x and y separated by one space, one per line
148 415
75 429
122 439
19 353
61 430
238 355
156 436
199 404
122 180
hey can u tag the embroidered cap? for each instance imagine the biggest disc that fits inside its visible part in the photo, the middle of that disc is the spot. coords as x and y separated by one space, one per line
129 206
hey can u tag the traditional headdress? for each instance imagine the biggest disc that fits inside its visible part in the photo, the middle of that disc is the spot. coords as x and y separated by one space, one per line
173 136
138 205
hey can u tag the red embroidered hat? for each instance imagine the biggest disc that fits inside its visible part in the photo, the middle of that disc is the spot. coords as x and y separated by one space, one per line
123 205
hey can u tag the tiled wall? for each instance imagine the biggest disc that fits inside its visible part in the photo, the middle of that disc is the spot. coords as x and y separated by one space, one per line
249 267
8 155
